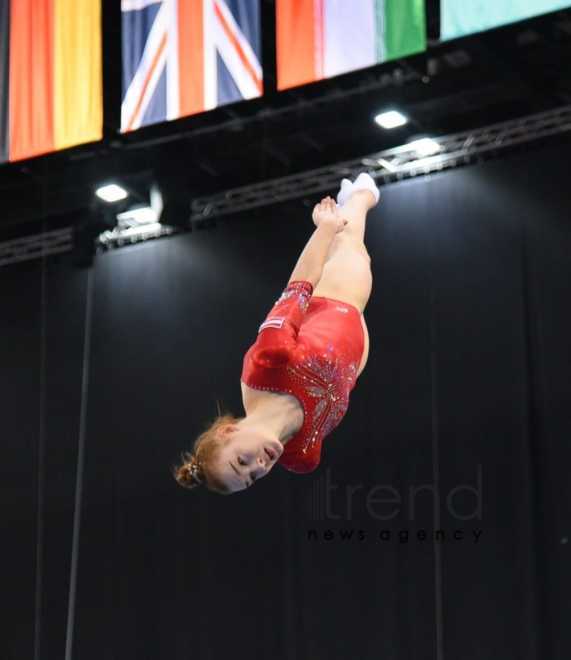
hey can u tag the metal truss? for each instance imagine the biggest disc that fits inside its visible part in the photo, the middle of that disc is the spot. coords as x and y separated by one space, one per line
389 165
62 240
36 246
385 166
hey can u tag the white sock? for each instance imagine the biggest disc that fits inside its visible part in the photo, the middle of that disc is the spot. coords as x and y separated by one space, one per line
366 182
344 192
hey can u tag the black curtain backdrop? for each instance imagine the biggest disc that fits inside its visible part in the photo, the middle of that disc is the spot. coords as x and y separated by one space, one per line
460 423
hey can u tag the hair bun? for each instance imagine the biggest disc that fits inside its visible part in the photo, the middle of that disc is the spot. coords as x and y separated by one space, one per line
189 474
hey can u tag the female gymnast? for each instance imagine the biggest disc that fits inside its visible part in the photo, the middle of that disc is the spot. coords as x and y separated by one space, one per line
310 350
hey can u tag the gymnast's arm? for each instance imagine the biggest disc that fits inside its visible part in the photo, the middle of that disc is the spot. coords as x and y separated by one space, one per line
277 336
309 266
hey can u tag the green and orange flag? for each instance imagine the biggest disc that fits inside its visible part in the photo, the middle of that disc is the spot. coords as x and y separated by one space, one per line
50 76
319 39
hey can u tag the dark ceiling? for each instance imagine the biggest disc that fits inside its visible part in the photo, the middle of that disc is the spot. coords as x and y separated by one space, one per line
468 83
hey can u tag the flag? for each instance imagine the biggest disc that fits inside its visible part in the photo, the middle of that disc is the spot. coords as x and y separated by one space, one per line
50 76
322 38
181 57
4 72
462 17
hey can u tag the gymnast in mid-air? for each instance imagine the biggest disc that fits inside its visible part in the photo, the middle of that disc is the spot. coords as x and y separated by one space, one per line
309 351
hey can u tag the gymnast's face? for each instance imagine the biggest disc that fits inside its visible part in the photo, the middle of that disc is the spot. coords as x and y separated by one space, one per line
245 456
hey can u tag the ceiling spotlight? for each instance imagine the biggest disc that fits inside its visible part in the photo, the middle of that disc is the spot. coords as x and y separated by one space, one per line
111 193
391 119
425 147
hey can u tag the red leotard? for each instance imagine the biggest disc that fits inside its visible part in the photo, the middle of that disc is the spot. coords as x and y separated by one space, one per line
311 348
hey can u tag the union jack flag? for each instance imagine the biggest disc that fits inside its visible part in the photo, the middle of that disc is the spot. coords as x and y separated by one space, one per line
181 57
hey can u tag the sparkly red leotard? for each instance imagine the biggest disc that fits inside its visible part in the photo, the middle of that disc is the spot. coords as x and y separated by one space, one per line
311 348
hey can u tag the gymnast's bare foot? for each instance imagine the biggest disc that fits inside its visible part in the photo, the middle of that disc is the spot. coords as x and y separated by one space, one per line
327 212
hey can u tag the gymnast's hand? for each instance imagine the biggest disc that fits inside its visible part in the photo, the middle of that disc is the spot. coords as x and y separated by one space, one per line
327 213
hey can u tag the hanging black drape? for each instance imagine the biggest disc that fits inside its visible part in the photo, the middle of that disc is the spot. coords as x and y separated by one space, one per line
459 423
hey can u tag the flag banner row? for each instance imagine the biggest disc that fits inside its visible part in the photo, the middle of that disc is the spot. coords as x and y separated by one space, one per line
183 57
319 39
459 18
51 93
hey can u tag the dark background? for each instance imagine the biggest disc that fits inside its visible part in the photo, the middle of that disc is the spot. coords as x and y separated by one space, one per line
468 370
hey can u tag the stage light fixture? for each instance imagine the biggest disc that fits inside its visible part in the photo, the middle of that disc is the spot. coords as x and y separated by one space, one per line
142 215
150 229
391 119
134 225
425 147
111 193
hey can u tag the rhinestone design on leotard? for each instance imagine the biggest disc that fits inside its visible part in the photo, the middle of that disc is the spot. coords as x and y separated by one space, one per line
326 379
296 289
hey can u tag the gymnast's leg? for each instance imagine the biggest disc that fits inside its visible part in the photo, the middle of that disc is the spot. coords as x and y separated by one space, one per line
347 272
